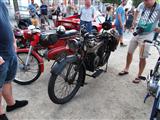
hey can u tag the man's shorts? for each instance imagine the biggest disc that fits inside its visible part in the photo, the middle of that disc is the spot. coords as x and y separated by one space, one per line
139 41
8 70
120 30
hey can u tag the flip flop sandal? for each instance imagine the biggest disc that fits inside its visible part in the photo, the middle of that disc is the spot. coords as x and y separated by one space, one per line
142 78
123 73
137 81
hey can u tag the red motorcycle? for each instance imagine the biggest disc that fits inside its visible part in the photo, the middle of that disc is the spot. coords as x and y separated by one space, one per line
49 45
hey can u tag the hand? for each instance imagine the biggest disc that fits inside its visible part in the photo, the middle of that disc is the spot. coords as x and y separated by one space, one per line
1 60
15 47
157 30
122 26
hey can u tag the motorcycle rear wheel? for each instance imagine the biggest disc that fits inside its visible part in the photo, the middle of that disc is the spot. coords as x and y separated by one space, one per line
54 78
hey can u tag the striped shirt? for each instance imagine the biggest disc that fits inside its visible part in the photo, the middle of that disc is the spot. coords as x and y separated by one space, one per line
152 22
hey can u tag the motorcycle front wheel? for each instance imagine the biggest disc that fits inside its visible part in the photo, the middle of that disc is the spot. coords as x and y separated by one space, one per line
62 88
27 74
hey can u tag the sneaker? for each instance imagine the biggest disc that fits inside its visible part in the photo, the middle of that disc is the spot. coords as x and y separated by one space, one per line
122 45
18 104
3 117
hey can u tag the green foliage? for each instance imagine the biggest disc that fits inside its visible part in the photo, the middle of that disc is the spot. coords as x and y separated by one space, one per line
136 2
112 1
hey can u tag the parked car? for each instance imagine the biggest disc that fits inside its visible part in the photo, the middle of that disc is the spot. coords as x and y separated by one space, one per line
73 22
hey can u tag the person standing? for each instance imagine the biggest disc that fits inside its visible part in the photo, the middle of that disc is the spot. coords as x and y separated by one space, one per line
149 18
120 21
33 8
54 13
109 14
8 63
63 10
129 20
87 16
44 13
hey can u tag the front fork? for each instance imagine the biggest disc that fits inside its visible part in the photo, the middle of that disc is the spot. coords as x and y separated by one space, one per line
28 56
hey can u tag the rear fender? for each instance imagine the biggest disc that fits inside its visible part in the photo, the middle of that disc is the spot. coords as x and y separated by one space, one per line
36 55
59 65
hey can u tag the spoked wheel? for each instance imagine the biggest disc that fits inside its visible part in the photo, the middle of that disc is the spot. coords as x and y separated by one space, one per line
26 74
62 88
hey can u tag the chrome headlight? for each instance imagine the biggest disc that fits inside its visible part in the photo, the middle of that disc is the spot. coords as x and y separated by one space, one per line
74 44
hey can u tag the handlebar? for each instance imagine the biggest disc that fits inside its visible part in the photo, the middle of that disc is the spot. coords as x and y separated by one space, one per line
148 41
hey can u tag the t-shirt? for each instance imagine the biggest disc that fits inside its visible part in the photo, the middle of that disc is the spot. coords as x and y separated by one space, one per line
120 10
87 14
32 9
44 9
149 24
145 22
6 33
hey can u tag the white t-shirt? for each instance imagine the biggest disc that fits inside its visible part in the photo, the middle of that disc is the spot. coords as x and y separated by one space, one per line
87 14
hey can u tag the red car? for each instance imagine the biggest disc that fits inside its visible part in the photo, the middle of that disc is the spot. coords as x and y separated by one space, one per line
73 22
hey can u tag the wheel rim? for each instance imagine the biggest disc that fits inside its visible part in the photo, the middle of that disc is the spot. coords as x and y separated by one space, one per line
29 72
64 86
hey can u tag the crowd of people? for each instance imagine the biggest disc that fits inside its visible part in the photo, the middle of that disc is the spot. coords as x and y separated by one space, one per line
41 14
123 20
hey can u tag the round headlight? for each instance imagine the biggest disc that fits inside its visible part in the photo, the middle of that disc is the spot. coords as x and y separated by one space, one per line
74 44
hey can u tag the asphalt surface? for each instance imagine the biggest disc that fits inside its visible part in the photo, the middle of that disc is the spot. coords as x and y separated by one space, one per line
109 96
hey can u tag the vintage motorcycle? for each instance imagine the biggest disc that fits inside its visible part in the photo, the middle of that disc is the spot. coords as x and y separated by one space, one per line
153 84
91 53
53 47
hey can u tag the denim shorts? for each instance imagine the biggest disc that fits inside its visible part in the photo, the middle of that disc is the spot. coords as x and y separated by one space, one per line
120 30
8 70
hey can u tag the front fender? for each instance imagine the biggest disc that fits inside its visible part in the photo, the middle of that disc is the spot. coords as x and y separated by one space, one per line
36 55
59 66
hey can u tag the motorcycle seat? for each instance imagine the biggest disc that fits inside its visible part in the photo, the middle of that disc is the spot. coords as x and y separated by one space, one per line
68 33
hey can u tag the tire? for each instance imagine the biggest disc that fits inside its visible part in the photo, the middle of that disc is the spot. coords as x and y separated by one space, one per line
32 79
51 87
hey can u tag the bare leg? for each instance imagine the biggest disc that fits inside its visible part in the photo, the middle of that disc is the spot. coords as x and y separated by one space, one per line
142 65
7 94
1 109
121 39
128 61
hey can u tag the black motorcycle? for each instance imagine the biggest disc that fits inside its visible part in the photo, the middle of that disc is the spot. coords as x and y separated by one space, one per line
91 53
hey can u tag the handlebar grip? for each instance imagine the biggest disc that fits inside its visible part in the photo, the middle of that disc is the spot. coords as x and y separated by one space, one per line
147 41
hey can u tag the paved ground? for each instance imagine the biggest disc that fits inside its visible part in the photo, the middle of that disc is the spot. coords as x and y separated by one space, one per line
107 97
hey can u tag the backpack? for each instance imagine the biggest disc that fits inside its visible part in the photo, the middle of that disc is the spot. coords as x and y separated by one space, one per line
44 9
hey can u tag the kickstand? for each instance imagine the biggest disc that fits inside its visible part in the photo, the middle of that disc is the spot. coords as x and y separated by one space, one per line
146 97
106 68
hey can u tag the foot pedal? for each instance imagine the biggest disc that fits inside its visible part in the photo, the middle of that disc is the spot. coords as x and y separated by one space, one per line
97 73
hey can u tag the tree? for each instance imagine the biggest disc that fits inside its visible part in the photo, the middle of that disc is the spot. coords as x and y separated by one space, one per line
112 1
15 3
136 2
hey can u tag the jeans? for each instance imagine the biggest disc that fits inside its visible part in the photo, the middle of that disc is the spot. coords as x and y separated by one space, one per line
88 25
